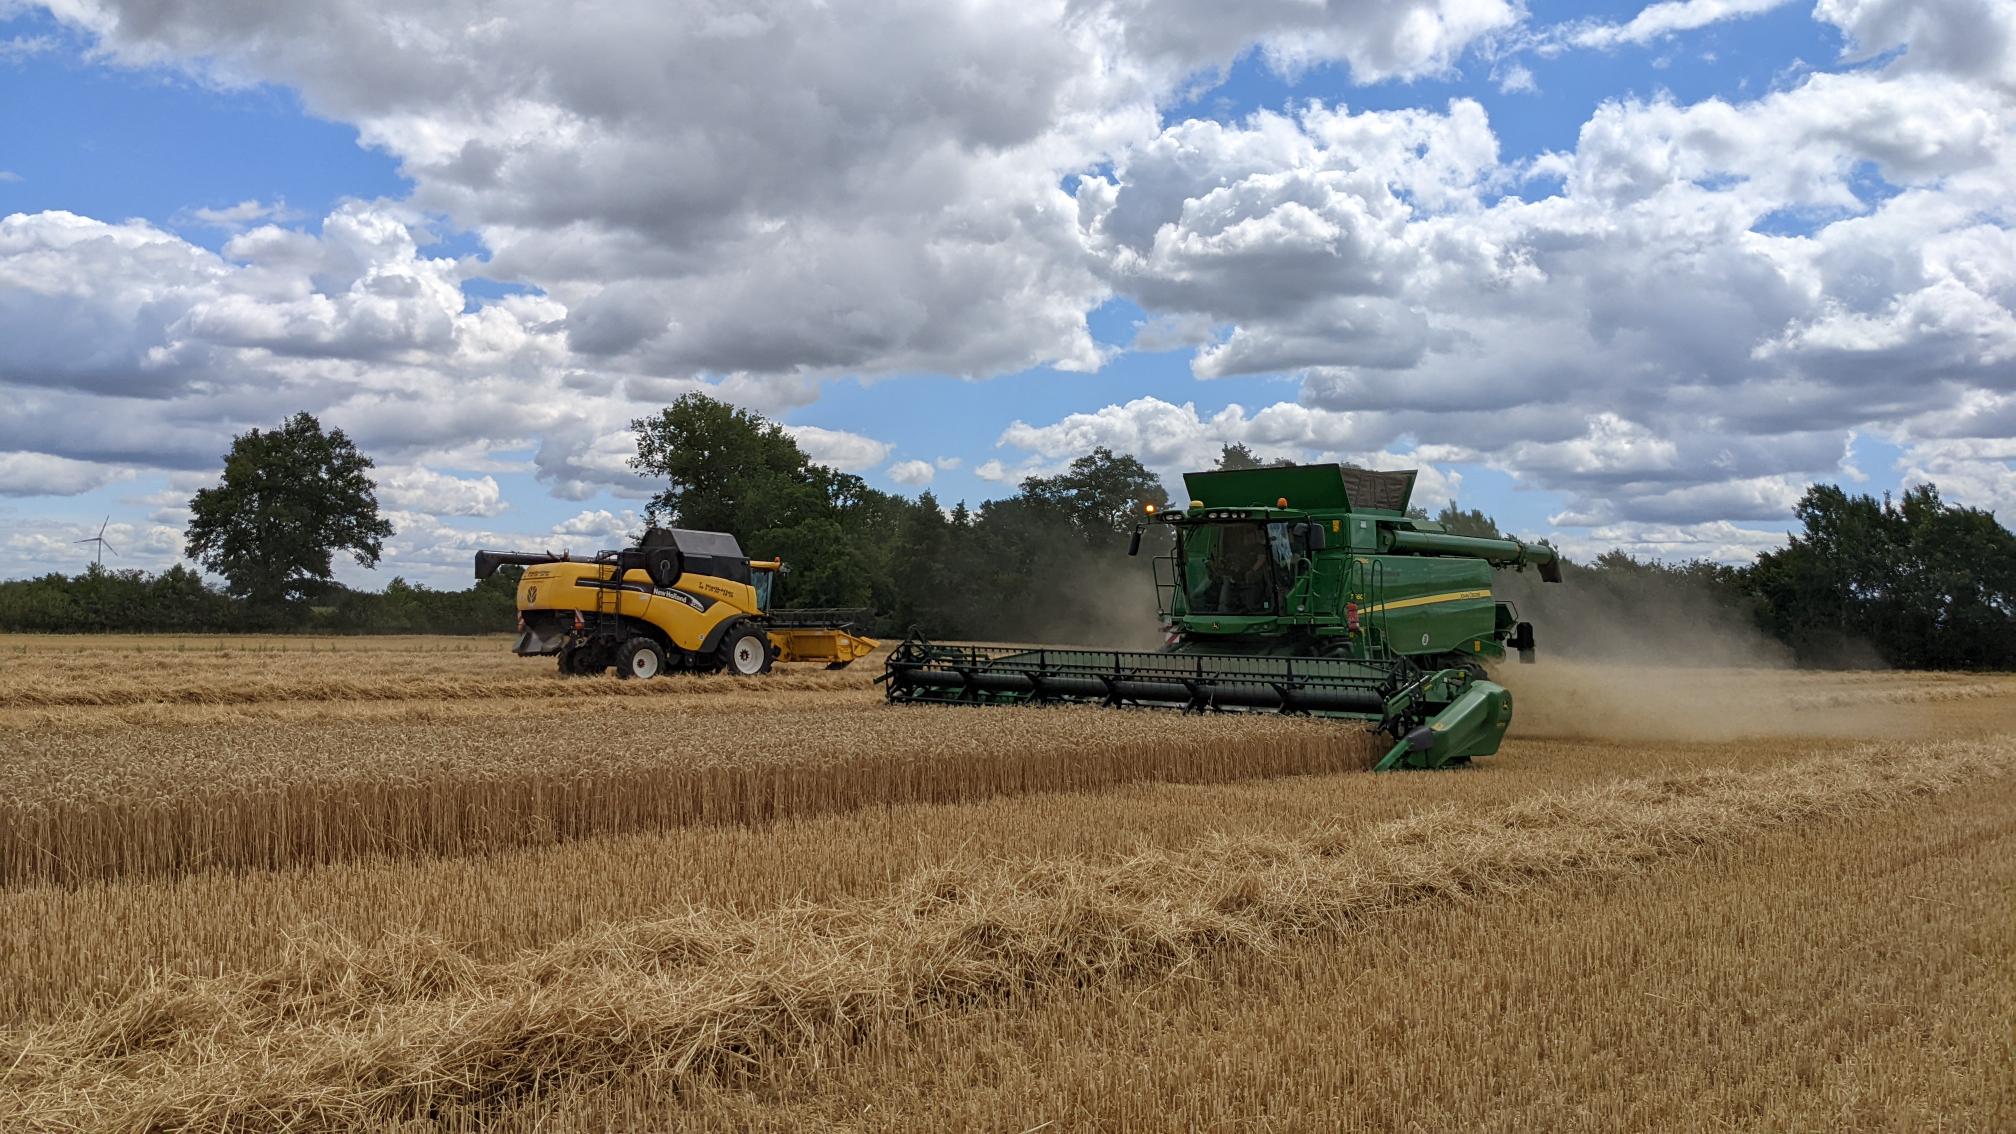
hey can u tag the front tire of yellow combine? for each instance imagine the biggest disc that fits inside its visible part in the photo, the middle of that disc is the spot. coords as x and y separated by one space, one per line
746 653
640 657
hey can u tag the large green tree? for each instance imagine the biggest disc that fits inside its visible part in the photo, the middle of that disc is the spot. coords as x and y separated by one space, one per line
290 499
1472 522
1920 582
724 469
1237 456
729 470
1101 493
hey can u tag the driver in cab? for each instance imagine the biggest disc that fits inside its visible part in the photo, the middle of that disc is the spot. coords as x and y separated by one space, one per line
1245 582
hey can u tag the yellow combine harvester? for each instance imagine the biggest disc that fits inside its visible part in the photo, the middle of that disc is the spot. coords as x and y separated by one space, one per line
679 600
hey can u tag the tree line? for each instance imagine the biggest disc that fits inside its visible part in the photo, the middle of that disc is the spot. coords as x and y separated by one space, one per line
179 601
1912 582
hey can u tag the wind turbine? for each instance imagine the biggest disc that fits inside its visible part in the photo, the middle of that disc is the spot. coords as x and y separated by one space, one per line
99 539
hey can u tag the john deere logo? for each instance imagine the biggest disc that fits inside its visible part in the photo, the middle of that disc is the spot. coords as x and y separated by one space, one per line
531 594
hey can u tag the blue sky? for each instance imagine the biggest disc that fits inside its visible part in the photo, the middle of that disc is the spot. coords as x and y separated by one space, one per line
1646 321
114 142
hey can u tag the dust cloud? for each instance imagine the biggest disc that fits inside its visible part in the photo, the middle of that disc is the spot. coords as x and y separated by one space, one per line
1557 699
1109 606
1656 661
1650 622
1565 699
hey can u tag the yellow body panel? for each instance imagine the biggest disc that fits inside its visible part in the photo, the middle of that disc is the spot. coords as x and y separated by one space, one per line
833 646
687 613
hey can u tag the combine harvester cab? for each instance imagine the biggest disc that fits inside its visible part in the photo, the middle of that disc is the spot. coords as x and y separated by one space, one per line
679 600
1302 589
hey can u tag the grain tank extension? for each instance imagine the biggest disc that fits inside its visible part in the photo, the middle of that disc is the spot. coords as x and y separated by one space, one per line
1295 589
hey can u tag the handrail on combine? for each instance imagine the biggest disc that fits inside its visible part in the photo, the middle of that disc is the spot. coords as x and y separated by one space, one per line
1165 589
1324 598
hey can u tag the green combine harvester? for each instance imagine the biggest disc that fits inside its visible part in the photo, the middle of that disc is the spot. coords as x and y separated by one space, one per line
1299 589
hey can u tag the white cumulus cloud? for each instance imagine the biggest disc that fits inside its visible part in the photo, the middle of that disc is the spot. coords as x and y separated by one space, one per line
238 217
1666 18
419 489
912 473
1651 339
848 452
39 474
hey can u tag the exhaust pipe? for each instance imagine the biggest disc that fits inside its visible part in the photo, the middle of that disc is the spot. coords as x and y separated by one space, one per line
664 564
487 562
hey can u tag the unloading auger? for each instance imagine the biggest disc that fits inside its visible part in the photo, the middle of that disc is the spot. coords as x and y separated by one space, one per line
1292 589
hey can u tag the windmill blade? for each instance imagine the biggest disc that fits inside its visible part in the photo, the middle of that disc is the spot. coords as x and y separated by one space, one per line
102 523
87 539
107 546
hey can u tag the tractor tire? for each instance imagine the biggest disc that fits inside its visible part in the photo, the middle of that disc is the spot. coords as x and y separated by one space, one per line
640 657
574 661
746 652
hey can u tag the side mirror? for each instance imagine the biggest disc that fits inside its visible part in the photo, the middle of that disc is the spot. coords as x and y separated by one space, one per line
1314 536
1134 542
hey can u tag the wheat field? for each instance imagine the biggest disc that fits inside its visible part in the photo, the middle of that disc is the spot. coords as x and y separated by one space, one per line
410 884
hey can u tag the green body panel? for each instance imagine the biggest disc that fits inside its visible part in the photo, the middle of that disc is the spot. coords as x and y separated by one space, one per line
1423 605
1356 533
1470 724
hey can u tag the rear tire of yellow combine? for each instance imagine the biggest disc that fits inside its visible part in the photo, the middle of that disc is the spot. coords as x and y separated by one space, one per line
577 661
